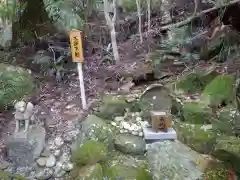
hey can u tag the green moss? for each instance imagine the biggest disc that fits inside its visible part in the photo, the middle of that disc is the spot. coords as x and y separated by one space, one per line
15 83
195 81
90 152
103 133
89 172
112 106
216 174
127 173
195 136
121 166
9 176
196 113
227 150
226 120
5 176
219 90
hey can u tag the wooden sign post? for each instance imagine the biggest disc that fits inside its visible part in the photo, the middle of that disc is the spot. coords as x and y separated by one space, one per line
77 56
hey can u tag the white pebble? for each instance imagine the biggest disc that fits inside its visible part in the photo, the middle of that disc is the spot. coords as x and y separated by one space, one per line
58 141
126 125
134 133
119 118
140 134
67 166
114 124
121 131
51 161
125 131
138 119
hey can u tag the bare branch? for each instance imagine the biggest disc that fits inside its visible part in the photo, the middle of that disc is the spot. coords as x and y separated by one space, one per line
114 11
195 15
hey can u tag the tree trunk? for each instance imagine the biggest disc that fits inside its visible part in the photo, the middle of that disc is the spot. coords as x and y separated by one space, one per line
149 14
139 20
111 25
114 45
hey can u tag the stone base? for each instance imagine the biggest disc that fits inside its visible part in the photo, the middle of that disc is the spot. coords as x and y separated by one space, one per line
149 134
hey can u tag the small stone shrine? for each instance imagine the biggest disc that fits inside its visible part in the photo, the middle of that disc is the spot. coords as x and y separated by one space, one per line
159 127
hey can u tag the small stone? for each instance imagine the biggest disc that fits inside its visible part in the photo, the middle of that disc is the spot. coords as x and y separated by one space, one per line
67 166
119 118
66 149
3 166
138 119
121 131
140 134
126 125
58 141
57 152
69 136
134 133
42 161
51 161
58 171
44 174
114 124
125 131
65 158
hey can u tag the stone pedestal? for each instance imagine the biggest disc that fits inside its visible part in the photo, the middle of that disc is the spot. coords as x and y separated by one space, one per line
150 134
23 148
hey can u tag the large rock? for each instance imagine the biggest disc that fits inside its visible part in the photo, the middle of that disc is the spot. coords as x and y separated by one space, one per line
219 90
172 160
196 113
155 97
228 121
130 144
97 129
227 150
17 83
199 137
23 149
126 167
194 82
90 152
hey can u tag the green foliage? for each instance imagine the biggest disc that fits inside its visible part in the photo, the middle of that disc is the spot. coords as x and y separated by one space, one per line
216 174
171 49
15 83
90 152
219 90
62 14
10 10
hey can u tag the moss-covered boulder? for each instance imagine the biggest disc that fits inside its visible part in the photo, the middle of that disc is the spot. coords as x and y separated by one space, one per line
126 167
228 121
90 152
15 83
196 113
88 172
112 106
196 81
219 90
130 144
199 137
227 149
97 129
